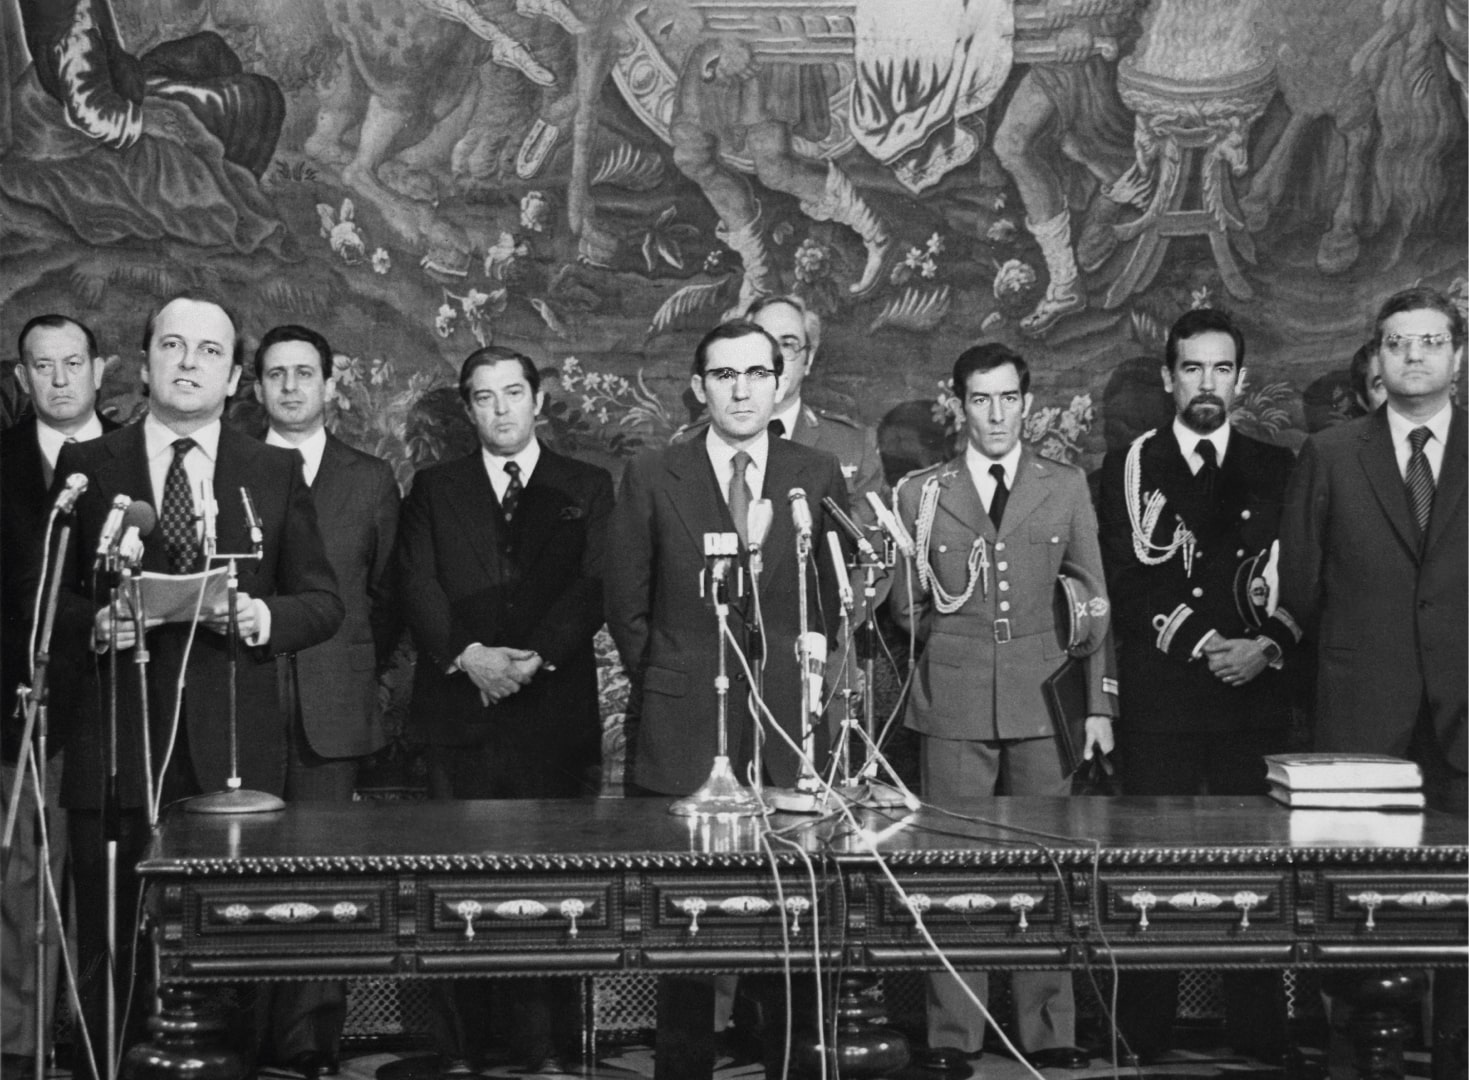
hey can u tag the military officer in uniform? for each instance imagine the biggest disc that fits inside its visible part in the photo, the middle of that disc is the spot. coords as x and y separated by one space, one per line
996 527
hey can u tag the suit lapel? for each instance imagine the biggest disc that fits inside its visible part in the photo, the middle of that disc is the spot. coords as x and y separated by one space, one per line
1381 466
30 469
126 472
1451 481
695 493
329 490
233 470
782 474
961 501
1028 493
540 507
479 511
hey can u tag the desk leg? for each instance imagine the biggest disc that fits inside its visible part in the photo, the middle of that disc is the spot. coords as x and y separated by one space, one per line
864 1048
187 1044
1380 1003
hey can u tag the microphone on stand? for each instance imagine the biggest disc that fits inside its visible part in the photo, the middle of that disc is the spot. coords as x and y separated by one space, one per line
209 513
848 526
892 526
757 524
839 567
800 513
111 526
138 524
66 502
252 522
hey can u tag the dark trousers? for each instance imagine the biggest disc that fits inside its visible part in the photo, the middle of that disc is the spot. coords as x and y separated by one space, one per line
538 1016
1196 763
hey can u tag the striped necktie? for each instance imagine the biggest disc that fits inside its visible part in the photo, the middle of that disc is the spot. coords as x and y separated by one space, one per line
1420 478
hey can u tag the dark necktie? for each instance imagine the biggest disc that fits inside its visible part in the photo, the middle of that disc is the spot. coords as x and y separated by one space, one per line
48 471
1209 471
1420 478
180 538
1000 497
739 496
513 491
777 428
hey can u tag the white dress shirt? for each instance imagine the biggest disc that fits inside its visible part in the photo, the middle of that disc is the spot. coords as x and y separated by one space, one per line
311 448
721 456
1400 427
51 441
788 412
979 471
495 466
1188 443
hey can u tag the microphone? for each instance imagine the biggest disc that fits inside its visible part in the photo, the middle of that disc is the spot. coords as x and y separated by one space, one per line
800 513
209 513
252 522
139 522
721 549
892 526
757 524
111 525
66 502
839 565
848 526
815 666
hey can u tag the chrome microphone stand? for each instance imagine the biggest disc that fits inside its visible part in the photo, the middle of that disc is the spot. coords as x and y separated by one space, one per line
722 794
235 799
806 796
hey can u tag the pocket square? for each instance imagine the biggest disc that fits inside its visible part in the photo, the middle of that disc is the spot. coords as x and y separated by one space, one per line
569 513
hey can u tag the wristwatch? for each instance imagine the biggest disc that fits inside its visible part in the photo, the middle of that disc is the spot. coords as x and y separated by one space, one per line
1271 649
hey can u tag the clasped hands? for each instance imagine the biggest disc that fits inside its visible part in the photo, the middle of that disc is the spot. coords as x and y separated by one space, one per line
1235 661
499 671
247 616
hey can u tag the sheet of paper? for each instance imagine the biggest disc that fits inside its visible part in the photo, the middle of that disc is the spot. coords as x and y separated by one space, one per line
173 597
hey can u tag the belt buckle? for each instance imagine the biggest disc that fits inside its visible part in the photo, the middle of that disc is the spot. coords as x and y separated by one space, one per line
1002 631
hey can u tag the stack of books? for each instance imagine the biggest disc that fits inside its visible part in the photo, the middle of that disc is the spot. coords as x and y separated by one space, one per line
1344 781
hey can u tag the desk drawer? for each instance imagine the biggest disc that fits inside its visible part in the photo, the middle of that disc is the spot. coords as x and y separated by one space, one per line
1189 901
713 908
330 911
987 904
1366 903
524 910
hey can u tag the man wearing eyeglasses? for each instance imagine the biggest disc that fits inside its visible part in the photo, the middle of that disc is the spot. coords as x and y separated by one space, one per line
666 631
1372 555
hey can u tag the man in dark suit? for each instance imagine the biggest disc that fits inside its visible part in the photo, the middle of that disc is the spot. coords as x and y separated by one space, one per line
1202 694
1372 563
666 632
330 690
1375 571
501 559
60 371
997 525
287 601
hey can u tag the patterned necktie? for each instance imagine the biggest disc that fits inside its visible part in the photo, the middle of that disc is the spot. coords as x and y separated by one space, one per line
739 496
1420 478
777 429
180 539
513 491
1000 497
1209 471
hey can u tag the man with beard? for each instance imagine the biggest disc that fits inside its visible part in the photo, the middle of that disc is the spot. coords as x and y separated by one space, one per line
1202 693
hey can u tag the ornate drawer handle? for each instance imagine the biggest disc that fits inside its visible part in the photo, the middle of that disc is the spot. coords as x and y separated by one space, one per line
572 910
745 905
796 905
1371 901
1245 900
918 903
468 910
1194 900
1141 901
971 903
1418 900
693 907
1023 903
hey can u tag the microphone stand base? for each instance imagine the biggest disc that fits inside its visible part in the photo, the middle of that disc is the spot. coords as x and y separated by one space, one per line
720 796
795 801
234 801
872 793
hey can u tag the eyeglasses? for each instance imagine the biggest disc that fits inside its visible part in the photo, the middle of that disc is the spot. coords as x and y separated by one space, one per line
793 346
727 375
1398 344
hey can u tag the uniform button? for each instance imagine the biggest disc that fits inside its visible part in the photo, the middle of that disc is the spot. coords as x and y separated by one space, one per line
1004 605
1000 545
943 548
1245 514
1004 586
1002 567
1198 592
1055 539
1240 554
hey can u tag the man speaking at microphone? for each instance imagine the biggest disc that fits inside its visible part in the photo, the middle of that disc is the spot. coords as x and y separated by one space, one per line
666 631
287 600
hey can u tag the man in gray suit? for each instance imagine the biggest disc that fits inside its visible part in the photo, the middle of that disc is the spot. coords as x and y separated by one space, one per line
331 689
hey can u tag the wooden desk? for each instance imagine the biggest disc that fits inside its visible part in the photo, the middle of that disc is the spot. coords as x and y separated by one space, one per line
585 887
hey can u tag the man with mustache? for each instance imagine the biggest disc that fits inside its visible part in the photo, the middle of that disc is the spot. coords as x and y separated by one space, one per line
1202 692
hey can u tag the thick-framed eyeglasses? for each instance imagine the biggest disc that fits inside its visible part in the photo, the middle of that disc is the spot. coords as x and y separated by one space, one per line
726 376
793 347
1399 344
